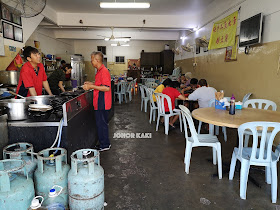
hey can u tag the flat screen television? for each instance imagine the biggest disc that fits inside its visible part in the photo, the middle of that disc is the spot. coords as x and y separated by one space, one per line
251 30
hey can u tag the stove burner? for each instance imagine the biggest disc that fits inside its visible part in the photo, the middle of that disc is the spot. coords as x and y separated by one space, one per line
38 115
57 102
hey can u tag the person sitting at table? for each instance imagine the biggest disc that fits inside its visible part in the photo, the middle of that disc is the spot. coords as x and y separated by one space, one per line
160 88
203 94
188 77
191 87
182 80
173 93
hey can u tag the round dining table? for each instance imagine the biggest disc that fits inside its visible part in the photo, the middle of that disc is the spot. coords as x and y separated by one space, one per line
223 118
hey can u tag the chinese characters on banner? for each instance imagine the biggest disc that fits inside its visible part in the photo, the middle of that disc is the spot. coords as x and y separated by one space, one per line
223 32
231 51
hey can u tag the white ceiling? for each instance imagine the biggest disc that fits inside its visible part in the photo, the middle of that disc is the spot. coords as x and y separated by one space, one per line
165 19
158 7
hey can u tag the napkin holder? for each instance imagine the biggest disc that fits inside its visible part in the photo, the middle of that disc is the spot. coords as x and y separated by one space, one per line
220 105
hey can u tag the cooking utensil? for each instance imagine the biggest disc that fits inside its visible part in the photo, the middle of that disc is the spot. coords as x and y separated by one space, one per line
9 77
17 108
44 99
15 94
40 107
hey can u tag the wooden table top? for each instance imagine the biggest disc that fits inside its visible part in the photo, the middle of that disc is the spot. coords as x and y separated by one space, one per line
223 118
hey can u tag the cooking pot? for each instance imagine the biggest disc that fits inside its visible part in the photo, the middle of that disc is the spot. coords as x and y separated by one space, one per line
9 77
17 109
44 99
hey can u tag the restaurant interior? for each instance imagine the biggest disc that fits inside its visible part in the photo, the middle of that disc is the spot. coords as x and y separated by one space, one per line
193 122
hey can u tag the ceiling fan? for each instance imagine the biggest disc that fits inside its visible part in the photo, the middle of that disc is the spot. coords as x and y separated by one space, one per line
113 38
120 45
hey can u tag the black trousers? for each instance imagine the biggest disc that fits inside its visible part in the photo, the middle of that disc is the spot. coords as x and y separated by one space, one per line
101 117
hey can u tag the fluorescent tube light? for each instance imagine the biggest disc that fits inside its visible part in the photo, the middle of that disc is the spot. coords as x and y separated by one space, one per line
125 5
124 45
118 40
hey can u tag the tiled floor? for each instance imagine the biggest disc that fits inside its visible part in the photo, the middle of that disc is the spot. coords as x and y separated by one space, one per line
149 173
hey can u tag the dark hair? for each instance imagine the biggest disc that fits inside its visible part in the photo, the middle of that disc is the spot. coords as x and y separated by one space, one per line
28 51
202 82
167 82
194 81
175 84
63 61
67 66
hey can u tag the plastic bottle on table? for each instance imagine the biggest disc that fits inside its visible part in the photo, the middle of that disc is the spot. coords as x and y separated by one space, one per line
232 105
54 200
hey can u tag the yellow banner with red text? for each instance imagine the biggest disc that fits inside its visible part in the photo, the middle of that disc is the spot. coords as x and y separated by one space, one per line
224 32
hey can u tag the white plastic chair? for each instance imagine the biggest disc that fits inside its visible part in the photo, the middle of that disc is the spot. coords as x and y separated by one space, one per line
257 104
121 91
151 85
246 97
128 91
161 111
144 97
260 154
224 129
199 140
153 107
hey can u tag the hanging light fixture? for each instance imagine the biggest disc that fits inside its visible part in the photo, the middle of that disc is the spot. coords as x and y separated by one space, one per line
125 5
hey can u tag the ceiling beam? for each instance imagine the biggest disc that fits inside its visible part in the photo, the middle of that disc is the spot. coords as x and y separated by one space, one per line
127 21
99 35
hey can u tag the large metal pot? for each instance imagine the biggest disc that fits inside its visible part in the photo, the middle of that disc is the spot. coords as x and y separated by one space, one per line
44 99
17 108
9 77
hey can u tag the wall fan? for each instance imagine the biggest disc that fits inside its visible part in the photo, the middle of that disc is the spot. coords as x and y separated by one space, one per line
187 47
24 8
202 41
113 38
176 51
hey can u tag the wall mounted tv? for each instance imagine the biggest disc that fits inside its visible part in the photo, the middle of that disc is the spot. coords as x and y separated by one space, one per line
251 30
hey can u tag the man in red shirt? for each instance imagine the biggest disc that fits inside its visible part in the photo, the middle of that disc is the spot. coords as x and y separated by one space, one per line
32 77
102 99
173 93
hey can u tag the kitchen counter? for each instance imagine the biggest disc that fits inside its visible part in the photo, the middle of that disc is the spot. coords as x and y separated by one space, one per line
79 130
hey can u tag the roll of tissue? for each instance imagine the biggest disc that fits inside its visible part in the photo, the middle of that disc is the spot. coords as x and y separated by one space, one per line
226 103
